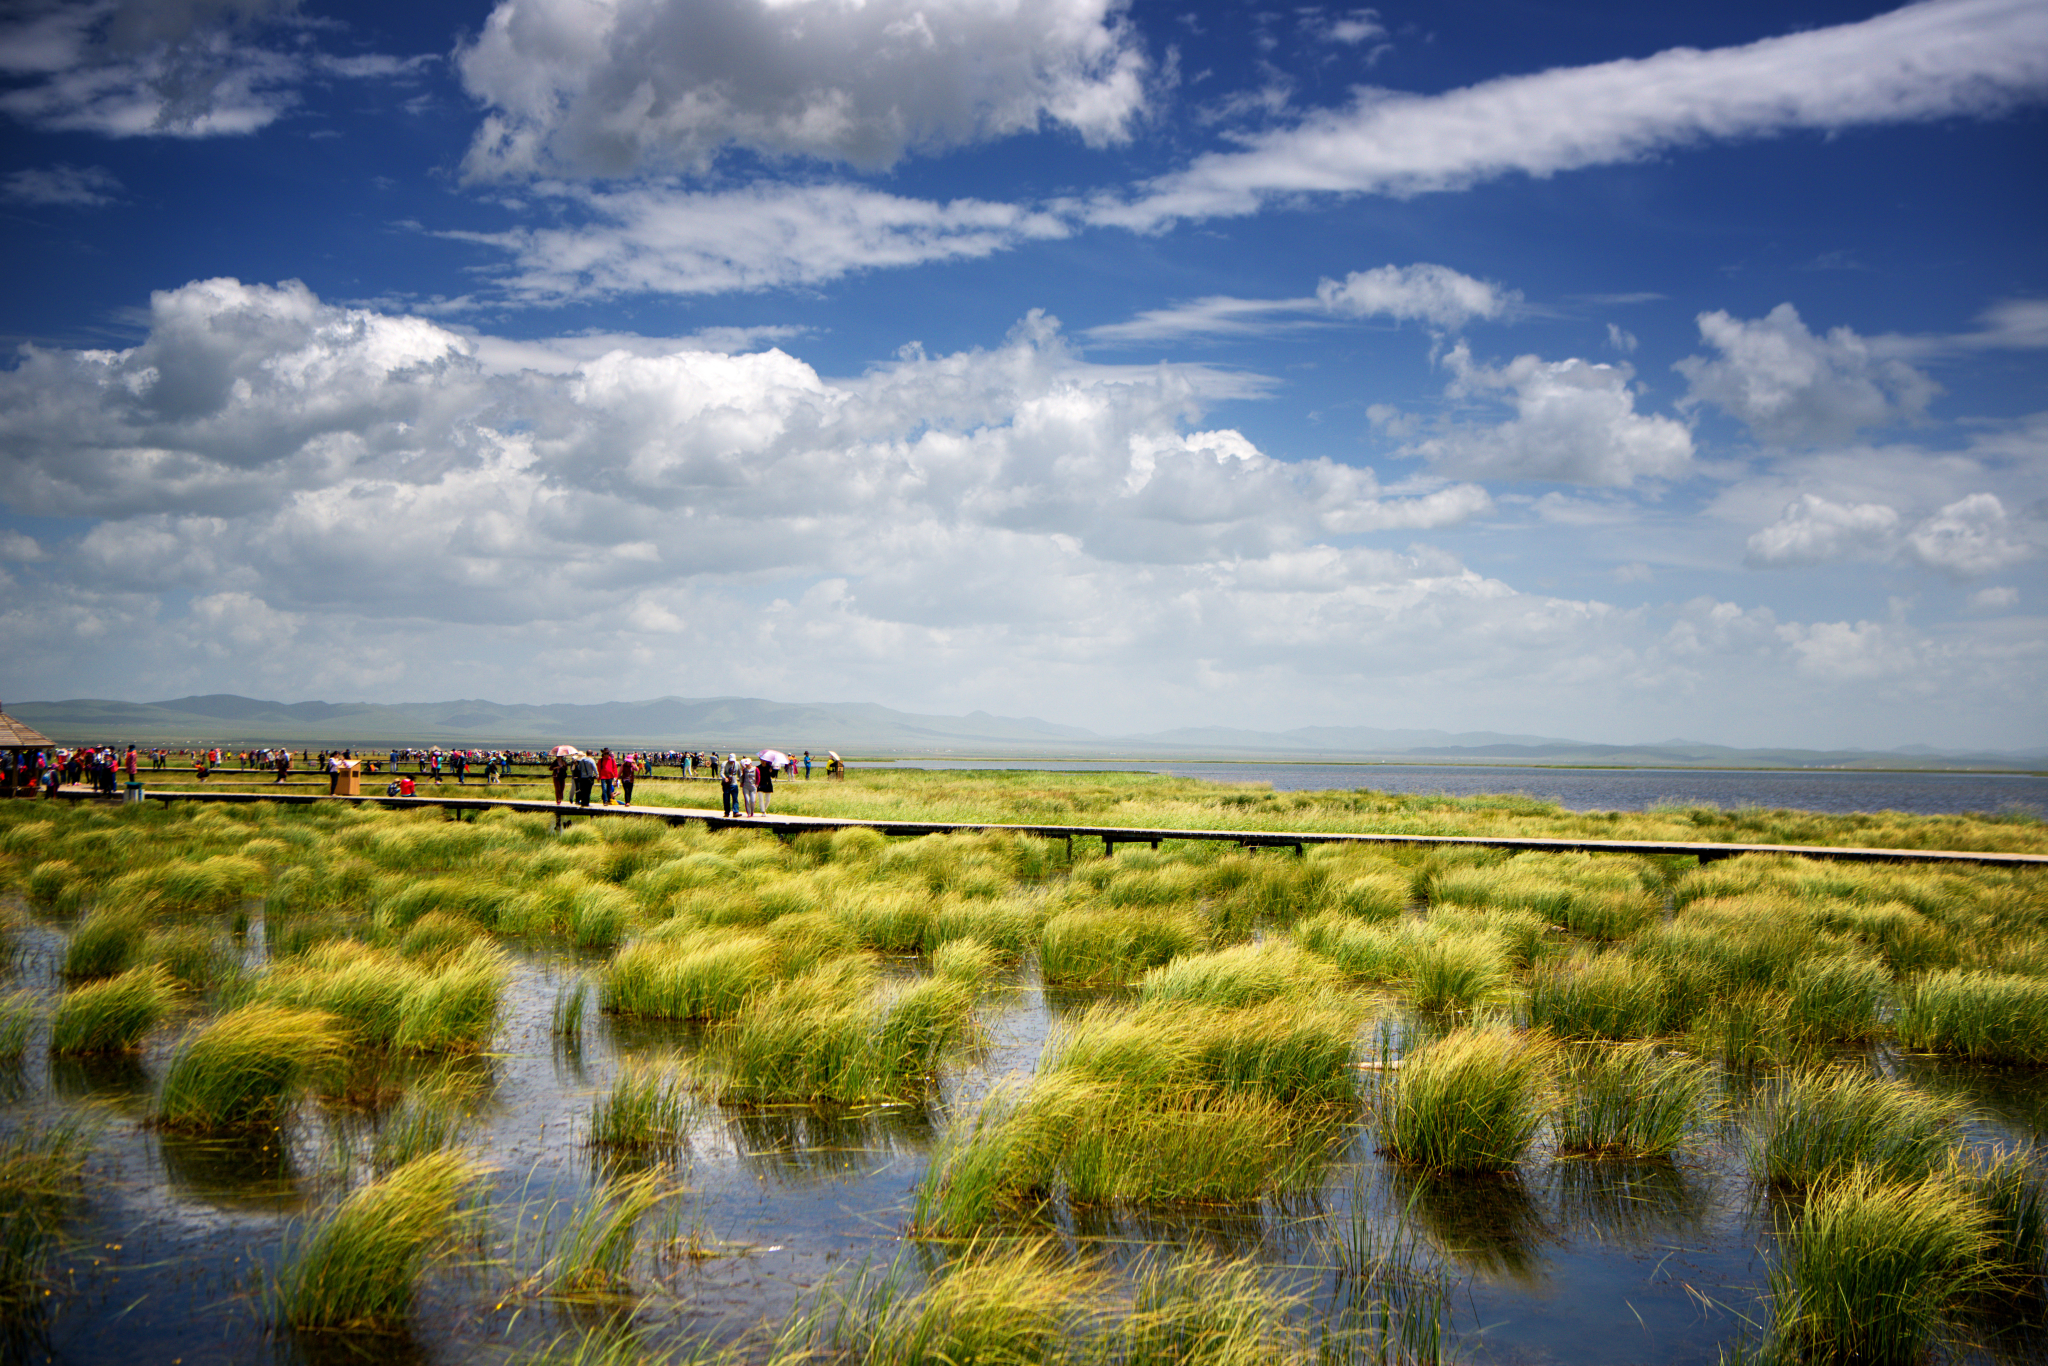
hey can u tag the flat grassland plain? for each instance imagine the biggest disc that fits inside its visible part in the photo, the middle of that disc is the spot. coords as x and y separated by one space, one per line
338 1083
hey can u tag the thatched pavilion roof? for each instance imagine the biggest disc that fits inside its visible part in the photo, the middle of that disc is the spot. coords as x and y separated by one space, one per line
14 735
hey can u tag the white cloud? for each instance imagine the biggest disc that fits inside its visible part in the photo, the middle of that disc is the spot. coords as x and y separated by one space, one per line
1575 422
71 187
1791 387
1847 652
986 528
1428 293
1995 599
1968 538
611 87
1422 292
666 240
15 546
1816 531
1942 59
176 68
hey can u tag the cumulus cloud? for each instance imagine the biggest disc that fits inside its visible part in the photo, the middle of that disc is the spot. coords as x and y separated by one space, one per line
1968 538
1791 387
1434 294
1575 422
611 87
176 68
1816 531
666 240
69 187
1941 59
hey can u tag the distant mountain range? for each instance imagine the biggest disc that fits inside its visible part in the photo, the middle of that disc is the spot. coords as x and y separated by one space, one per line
750 723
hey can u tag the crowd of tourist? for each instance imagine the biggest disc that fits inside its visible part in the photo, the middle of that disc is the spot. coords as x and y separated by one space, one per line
746 782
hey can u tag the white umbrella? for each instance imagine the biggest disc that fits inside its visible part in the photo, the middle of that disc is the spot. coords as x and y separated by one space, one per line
831 754
567 751
775 757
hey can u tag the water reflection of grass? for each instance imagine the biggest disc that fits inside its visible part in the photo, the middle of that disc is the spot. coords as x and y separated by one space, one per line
1230 1033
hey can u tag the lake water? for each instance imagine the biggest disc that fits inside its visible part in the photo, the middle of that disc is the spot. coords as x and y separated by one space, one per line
1604 789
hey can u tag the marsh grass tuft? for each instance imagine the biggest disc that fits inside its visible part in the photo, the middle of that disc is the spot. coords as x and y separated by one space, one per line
1114 945
1472 1101
106 943
650 1107
1812 1124
1984 1016
590 1254
1630 1100
360 1266
1873 1267
1609 996
246 1068
41 1171
20 1011
111 1016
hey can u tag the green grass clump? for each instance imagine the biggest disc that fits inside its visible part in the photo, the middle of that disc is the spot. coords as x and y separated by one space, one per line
889 919
1368 952
1244 975
1609 913
1630 1100
19 1013
1608 996
967 961
1011 1305
699 975
590 1255
1471 1101
1873 1267
196 956
649 1107
111 1016
383 1000
1984 1016
57 884
431 1117
1371 897
107 942
41 1172
830 1036
1812 1124
1448 969
359 1268
246 1068
190 886
1291 1052
1111 946
1836 999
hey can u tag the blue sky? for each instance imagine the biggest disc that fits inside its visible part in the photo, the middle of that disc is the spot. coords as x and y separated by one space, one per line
1596 370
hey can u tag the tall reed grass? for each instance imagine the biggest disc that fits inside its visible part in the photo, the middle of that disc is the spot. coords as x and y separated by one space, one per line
42 1168
1114 945
1606 996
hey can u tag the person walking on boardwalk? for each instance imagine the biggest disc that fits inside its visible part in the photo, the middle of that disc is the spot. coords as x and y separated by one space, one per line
559 771
729 784
585 771
629 769
765 784
608 773
749 784
284 765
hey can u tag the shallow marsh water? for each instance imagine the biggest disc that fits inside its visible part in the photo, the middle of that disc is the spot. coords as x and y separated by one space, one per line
1565 1261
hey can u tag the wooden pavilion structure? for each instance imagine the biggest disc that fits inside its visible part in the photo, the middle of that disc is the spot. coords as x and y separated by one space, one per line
19 742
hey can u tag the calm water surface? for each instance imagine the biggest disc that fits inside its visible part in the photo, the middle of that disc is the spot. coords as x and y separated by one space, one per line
1632 789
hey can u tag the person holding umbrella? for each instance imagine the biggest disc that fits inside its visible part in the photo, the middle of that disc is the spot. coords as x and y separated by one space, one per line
764 783
558 768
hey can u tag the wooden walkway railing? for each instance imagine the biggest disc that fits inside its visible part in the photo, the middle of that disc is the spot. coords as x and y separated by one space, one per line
788 827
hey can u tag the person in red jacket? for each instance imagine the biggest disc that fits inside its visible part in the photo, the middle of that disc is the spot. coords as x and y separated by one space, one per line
607 774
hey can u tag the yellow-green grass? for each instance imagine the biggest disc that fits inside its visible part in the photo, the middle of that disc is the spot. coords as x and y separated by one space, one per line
1368 952
106 942
189 886
20 1012
1471 1101
590 1253
832 1036
1985 1016
383 1000
1837 999
1244 975
1115 945
650 1106
1603 996
433 1115
1292 1052
695 975
1812 1124
41 1174
246 1068
111 1016
1157 801
1874 1265
359 1268
1446 967
1630 1100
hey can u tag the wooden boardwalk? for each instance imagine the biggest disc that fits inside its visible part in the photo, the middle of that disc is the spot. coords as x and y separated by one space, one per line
788 827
